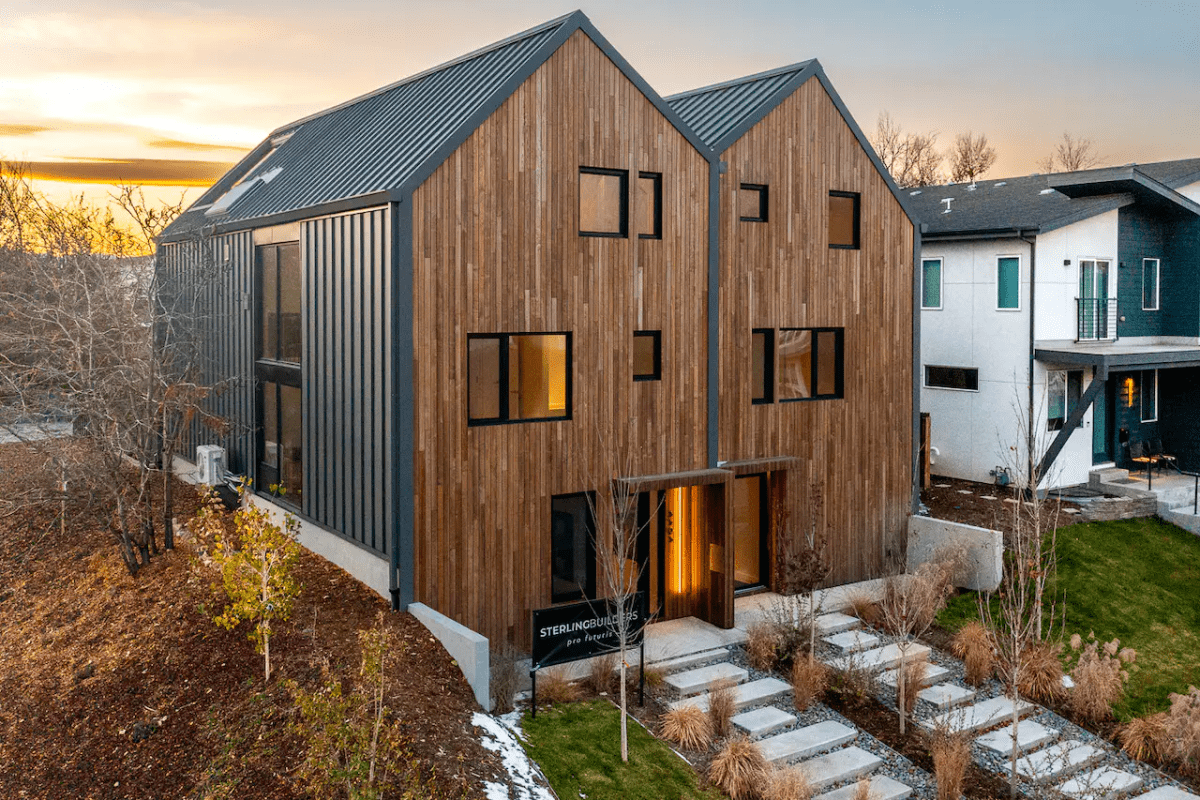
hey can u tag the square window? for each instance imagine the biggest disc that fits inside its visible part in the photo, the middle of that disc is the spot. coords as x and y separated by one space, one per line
516 377
1149 395
649 205
810 363
647 355
752 202
762 365
961 378
843 220
1008 283
603 202
1150 275
572 548
931 283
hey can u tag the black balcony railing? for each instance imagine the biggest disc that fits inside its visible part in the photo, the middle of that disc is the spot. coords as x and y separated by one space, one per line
1096 319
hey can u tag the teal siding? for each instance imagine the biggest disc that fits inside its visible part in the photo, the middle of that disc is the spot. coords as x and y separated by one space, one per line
1148 234
1178 399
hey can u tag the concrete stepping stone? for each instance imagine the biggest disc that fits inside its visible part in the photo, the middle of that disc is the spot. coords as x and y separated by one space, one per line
805 742
933 674
763 690
836 623
852 641
702 679
946 695
1167 793
839 766
762 721
1101 784
880 658
1029 735
1043 766
882 788
969 719
680 663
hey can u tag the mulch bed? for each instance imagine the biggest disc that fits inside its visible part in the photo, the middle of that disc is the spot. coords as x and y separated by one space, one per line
983 504
122 687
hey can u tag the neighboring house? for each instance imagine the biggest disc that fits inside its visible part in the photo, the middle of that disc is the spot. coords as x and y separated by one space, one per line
1072 300
463 308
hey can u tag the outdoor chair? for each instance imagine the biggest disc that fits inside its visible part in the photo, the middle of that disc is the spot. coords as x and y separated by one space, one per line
1156 452
1138 455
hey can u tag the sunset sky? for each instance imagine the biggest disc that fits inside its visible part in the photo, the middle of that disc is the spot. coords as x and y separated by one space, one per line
171 93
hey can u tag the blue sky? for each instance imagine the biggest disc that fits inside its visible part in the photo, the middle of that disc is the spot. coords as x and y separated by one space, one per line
167 88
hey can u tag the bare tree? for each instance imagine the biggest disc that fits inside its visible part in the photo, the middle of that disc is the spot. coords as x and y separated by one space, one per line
1073 153
912 159
970 156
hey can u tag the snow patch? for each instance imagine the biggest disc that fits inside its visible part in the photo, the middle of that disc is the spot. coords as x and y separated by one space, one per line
500 735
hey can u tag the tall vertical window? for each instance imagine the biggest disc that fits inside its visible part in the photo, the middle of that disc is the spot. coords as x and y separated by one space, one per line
512 377
1150 275
1149 395
844 220
752 202
1063 389
647 355
649 204
572 548
1008 283
277 371
603 202
810 363
931 283
762 365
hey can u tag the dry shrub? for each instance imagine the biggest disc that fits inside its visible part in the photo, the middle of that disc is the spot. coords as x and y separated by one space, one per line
864 606
855 684
914 681
1099 677
789 783
554 687
654 677
809 678
739 769
504 679
1183 730
602 673
973 644
911 601
763 641
721 707
688 727
951 756
1145 738
1041 672
862 790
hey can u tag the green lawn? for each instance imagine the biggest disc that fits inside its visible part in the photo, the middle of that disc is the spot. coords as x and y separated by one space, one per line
578 747
1137 580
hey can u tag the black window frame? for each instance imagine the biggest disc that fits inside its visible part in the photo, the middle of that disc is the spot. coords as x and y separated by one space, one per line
587 592
857 198
623 174
657 233
763 201
656 337
839 365
1142 394
1072 392
966 371
272 370
504 418
768 386
1157 284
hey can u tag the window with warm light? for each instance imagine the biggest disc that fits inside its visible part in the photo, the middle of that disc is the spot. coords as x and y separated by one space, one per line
517 377
603 202
843 220
810 363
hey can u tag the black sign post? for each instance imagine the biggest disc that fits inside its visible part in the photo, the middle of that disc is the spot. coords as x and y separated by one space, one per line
575 631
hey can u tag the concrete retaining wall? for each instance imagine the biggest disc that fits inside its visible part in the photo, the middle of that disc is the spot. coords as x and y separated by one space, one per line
983 563
1183 518
464 645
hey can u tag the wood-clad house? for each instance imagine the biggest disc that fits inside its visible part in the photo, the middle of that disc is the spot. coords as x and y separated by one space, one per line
453 314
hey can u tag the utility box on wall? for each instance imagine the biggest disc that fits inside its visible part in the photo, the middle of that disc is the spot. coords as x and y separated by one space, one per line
210 464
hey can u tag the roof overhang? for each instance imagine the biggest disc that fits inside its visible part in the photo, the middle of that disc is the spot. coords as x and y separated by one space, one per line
1116 358
1123 180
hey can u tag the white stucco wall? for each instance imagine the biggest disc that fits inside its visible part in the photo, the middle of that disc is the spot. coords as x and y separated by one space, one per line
1058 284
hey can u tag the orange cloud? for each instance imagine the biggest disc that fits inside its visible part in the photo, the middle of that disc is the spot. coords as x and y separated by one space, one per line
148 171
21 130
201 147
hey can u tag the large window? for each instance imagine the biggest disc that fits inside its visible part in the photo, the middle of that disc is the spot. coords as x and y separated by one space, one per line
1008 283
963 378
762 366
931 283
752 202
843 220
603 202
1149 395
572 548
1150 275
1063 389
514 377
277 372
810 363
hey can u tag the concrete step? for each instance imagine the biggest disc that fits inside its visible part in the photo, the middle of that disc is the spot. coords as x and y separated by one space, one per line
745 695
1057 760
880 658
762 721
794 745
836 623
1167 793
882 788
946 695
979 716
689 661
1107 475
838 767
852 641
1101 784
1029 735
933 674
702 679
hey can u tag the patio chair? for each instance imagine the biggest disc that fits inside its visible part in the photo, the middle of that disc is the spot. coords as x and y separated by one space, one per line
1156 452
1138 455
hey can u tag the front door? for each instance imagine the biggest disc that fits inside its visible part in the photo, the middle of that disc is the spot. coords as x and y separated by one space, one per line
1093 300
750 567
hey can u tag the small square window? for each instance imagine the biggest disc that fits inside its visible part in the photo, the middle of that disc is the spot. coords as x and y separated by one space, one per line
762 366
931 283
647 355
1150 275
649 205
843 220
603 202
752 202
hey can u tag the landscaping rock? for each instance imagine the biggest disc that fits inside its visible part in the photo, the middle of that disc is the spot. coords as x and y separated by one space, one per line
946 695
880 658
979 716
142 731
702 679
762 721
1101 784
802 743
1058 759
839 766
882 788
852 641
1029 735
745 695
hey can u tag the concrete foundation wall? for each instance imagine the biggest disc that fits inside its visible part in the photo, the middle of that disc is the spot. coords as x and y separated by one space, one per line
1184 519
464 645
982 567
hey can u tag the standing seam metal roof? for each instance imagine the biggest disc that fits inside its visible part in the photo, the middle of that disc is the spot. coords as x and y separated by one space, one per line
714 112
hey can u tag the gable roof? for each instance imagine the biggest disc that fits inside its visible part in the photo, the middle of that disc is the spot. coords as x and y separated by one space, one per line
379 146
1043 203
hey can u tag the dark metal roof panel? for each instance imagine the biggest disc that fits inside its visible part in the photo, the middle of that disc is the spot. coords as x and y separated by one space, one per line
713 112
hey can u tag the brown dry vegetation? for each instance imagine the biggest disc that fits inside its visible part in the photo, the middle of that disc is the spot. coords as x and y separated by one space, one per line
121 687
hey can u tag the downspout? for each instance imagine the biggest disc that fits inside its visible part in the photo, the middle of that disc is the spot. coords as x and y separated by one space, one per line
1029 433
403 507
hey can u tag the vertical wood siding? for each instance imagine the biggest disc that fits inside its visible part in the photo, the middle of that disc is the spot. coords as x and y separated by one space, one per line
854 453
496 249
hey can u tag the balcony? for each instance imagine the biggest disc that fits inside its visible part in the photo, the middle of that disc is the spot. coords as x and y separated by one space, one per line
1096 320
